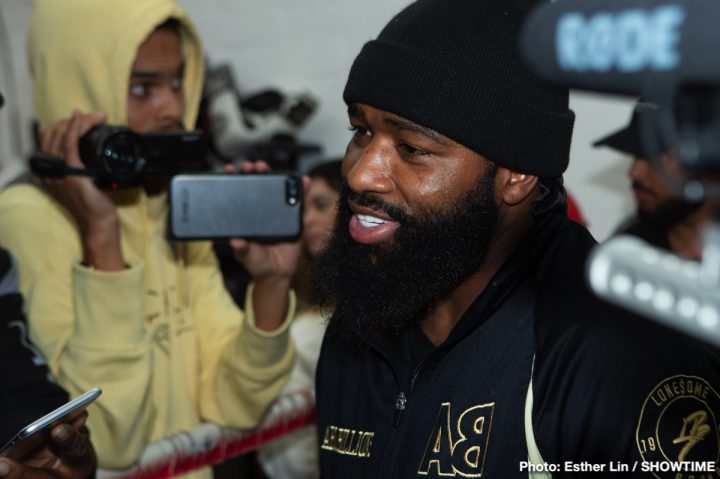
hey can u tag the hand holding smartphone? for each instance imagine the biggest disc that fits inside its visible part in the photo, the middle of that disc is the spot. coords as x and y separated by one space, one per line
37 433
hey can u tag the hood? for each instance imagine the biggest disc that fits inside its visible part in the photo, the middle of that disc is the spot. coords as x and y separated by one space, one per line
81 53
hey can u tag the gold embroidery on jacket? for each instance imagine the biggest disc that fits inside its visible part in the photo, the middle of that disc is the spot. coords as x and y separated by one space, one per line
678 423
349 442
698 430
464 454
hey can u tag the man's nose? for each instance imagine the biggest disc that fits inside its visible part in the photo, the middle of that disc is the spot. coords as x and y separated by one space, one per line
171 108
309 219
639 168
370 169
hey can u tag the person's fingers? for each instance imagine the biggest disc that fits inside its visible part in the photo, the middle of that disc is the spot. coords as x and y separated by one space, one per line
51 137
79 421
240 246
78 126
261 167
91 120
13 470
255 167
70 142
55 138
72 444
230 168
46 139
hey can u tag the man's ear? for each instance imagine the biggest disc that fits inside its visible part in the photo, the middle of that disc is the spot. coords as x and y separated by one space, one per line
512 187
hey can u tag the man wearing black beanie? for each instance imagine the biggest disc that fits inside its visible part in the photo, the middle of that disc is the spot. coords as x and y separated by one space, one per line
463 341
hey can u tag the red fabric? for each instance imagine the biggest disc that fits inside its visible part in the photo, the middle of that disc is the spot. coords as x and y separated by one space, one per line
201 447
573 210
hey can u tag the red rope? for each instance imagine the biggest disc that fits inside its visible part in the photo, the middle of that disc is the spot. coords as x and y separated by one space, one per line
212 444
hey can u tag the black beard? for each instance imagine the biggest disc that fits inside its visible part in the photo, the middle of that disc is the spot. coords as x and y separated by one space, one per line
373 289
669 213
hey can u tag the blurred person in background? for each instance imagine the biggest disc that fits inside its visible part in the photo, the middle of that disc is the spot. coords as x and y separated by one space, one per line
662 217
112 302
295 455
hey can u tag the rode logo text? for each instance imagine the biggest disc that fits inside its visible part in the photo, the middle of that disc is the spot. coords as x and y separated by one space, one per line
627 41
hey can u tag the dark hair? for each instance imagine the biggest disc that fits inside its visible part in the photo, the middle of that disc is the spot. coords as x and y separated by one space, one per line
330 172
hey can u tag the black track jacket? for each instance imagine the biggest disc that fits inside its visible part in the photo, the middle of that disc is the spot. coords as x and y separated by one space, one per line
610 390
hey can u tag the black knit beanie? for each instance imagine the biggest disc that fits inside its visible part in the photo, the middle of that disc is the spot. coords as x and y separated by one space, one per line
454 66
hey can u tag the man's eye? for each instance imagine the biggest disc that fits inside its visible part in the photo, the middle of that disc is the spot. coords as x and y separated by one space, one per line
177 83
323 205
359 131
139 90
411 150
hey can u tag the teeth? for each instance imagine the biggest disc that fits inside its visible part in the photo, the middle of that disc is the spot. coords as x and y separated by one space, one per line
370 221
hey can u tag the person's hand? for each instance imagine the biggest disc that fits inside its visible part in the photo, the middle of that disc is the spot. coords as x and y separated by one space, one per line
93 211
272 266
265 260
68 454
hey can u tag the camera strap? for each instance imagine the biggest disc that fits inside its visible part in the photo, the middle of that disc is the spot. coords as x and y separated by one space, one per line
49 166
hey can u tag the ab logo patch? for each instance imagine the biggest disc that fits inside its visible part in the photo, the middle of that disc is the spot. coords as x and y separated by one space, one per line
678 423
457 448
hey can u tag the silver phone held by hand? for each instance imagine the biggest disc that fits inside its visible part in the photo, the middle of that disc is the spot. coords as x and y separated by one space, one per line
35 434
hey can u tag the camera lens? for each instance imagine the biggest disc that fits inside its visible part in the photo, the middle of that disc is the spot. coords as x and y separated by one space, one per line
292 187
292 191
123 154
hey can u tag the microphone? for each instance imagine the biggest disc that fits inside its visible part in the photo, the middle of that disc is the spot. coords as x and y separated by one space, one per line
623 46
657 284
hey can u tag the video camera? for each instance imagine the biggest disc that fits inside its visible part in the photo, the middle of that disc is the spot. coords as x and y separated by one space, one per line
665 52
116 157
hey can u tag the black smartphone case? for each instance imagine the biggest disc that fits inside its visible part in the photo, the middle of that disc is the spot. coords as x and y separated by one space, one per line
253 206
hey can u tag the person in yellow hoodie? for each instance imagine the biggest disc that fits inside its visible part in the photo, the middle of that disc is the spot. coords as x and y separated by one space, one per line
111 301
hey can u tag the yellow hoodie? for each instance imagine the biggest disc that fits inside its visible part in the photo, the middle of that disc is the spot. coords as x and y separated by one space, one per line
163 338
81 52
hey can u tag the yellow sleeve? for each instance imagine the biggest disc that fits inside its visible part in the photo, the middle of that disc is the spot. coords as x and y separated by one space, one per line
243 369
89 324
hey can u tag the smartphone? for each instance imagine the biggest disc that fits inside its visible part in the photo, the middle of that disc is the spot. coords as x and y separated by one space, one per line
35 434
258 206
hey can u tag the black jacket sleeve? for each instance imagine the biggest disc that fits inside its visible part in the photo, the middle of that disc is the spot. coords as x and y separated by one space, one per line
611 386
27 390
635 392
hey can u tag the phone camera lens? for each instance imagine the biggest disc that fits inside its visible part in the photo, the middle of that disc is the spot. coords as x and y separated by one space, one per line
292 191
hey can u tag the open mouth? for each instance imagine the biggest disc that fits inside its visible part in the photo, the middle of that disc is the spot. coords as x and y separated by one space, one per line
369 221
369 228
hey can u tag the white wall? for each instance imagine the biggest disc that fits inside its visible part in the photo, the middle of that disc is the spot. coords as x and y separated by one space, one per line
15 116
597 177
296 46
310 45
